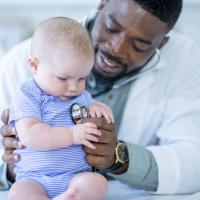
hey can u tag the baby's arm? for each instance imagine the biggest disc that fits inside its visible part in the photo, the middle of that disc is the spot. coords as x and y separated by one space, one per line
99 109
34 134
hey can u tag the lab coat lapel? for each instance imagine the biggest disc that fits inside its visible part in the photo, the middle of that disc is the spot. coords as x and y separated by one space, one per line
147 80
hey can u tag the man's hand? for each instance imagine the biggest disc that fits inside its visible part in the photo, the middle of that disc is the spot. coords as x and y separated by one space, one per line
104 155
10 143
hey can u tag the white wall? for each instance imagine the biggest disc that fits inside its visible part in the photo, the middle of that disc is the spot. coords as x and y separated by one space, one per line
18 18
189 22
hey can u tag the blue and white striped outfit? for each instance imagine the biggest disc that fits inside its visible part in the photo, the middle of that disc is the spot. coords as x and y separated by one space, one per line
55 168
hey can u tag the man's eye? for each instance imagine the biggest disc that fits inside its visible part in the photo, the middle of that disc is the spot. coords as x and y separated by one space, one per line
138 49
141 47
111 30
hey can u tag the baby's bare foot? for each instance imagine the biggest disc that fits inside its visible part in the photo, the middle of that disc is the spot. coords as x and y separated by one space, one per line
70 194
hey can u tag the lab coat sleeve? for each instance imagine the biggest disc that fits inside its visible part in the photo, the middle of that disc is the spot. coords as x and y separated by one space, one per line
13 70
142 170
178 152
165 119
4 182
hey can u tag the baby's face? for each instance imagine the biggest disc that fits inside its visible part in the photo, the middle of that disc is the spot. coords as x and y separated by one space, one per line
65 78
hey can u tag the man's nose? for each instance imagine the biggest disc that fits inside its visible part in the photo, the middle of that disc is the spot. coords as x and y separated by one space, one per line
117 46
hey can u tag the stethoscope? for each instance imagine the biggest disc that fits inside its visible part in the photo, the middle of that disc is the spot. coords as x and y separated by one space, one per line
79 112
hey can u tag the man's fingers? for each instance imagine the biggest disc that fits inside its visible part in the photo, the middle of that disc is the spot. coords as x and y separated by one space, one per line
93 131
5 116
100 122
10 143
7 131
107 137
10 158
90 125
100 150
89 144
103 154
98 161
91 138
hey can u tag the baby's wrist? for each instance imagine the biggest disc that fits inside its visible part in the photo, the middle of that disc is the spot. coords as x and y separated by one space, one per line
70 132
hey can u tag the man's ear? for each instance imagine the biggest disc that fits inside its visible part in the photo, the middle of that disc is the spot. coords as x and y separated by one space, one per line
33 63
164 41
102 4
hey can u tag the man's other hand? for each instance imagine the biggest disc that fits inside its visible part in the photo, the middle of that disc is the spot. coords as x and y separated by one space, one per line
10 142
104 155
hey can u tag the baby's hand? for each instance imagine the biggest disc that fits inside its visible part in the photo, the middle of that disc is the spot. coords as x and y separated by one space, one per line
99 109
85 134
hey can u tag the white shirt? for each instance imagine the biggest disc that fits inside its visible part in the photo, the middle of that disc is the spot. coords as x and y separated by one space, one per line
163 108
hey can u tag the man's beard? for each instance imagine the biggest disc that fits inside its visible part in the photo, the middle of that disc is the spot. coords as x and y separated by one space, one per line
103 82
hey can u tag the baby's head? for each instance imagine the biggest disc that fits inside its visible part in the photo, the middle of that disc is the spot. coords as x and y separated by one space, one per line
61 57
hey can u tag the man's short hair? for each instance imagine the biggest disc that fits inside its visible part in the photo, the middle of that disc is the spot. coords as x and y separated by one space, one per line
167 11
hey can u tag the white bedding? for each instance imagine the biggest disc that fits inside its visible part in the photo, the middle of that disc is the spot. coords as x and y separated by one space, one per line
118 191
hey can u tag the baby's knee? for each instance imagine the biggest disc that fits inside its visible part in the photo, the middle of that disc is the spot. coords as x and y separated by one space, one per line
100 182
90 184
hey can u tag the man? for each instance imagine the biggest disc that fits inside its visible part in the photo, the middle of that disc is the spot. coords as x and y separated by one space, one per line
154 96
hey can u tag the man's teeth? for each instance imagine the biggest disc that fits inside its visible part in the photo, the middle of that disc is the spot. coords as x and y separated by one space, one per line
108 63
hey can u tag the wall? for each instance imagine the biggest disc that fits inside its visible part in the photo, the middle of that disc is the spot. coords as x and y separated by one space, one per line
18 18
189 22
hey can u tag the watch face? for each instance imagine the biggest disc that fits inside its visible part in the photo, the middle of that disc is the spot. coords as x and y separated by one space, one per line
122 152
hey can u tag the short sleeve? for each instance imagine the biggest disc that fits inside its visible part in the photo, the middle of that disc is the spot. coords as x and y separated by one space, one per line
26 103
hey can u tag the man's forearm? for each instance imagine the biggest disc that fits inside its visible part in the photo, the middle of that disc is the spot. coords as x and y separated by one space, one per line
142 170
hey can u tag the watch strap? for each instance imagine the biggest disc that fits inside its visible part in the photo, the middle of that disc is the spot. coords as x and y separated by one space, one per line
117 164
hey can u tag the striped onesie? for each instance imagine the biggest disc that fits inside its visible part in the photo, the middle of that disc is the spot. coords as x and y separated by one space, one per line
53 169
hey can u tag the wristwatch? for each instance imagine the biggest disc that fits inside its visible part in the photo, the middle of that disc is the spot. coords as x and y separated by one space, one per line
121 156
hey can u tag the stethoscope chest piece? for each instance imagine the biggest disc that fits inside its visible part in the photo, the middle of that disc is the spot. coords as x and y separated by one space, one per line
78 112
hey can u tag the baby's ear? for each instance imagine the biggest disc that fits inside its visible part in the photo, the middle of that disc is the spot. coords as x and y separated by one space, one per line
33 64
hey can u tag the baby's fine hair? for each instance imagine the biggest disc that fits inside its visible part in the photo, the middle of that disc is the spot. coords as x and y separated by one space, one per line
61 32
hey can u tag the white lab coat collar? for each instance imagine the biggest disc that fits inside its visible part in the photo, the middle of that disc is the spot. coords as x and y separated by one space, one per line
148 79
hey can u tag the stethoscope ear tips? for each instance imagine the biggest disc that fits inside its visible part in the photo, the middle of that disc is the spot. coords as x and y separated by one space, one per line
78 112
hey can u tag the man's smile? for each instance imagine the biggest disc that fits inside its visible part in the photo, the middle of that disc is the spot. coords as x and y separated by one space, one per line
107 66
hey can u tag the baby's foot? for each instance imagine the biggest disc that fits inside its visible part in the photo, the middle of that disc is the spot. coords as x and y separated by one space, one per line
70 194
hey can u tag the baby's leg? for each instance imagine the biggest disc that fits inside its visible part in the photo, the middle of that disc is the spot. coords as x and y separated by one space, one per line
89 186
27 189
32 190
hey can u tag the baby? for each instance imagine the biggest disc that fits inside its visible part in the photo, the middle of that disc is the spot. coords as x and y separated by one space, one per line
52 164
